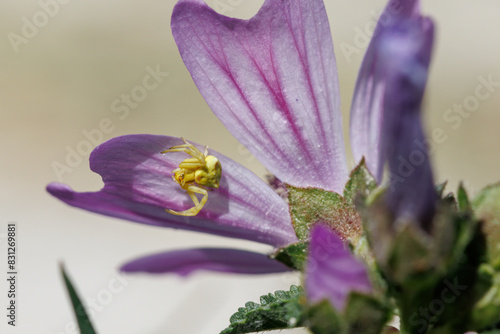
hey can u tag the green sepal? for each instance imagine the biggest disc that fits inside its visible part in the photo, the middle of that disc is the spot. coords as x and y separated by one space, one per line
361 183
322 318
294 255
487 310
459 201
81 316
275 311
390 330
446 197
402 249
419 265
487 209
311 205
363 252
440 188
466 280
365 314
362 314
464 203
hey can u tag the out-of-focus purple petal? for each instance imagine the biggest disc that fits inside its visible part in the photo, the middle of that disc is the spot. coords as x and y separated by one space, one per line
385 115
185 262
404 55
272 81
332 272
138 187
367 116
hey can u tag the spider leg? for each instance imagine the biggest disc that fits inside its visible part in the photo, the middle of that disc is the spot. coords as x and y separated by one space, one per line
192 164
189 145
198 205
189 149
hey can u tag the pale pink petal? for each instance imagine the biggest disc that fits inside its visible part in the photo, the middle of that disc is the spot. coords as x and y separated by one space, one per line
138 186
272 81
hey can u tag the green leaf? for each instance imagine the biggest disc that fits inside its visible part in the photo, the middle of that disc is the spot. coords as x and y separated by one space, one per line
81 316
275 311
487 209
293 255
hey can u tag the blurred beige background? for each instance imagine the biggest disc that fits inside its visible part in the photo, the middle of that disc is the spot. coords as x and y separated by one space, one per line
62 82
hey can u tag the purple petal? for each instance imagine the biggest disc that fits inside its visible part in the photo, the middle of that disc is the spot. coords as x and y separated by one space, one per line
332 272
367 117
272 81
185 262
385 116
404 56
138 187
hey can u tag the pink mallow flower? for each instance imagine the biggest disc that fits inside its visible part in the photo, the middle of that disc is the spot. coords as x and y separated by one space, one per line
272 81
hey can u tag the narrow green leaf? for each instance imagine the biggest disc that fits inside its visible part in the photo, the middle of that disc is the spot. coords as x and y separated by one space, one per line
275 311
81 316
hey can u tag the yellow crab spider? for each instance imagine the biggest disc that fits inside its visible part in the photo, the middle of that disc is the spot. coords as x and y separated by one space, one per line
202 170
